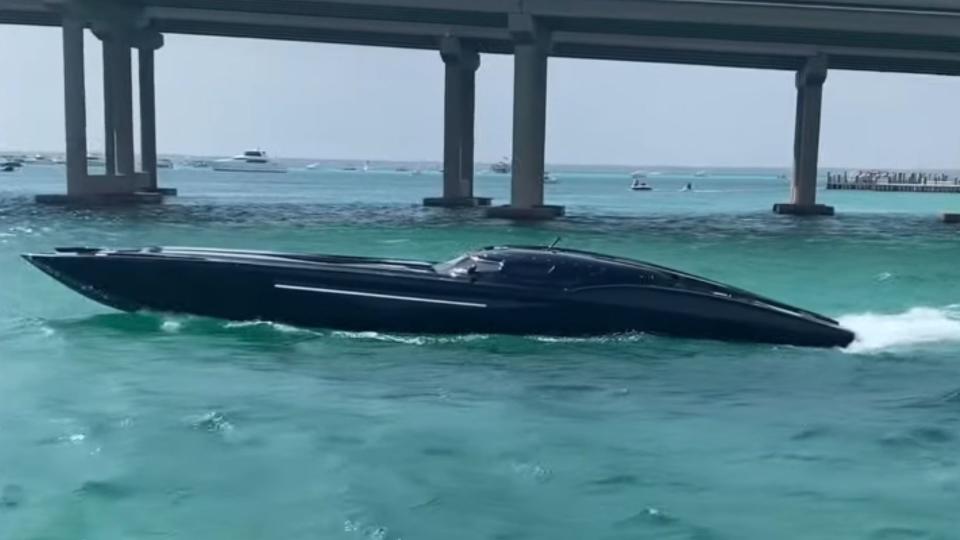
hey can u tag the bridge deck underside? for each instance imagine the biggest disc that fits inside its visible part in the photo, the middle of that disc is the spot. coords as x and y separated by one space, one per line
919 36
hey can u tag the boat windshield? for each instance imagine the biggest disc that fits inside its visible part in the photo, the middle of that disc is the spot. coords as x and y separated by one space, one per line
448 266
467 264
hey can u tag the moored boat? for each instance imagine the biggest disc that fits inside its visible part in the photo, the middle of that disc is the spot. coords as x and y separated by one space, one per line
501 167
249 161
637 185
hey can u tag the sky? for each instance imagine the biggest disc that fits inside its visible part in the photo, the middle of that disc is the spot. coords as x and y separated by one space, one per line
218 96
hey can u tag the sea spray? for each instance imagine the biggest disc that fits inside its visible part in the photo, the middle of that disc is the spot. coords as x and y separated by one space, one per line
919 325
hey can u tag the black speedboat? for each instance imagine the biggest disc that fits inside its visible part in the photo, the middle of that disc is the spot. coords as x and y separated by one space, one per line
508 290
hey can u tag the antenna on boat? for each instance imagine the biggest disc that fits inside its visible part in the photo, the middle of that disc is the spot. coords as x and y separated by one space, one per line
555 242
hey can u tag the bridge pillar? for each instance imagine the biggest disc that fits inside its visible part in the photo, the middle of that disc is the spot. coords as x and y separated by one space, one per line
109 125
148 115
806 144
530 53
460 67
122 86
75 106
121 183
468 74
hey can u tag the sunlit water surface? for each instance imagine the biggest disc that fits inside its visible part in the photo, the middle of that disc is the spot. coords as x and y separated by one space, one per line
119 426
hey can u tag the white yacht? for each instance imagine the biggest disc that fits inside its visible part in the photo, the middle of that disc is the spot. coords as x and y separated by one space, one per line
164 163
249 161
501 167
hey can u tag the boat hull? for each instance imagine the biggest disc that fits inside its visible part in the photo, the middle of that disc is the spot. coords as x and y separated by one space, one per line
245 168
410 298
228 166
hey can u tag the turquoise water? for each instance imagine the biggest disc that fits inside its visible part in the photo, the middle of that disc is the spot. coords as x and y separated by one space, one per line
118 426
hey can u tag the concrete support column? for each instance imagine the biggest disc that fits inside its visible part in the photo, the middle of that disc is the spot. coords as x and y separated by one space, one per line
451 53
120 30
529 122
109 126
806 144
468 72
460 66
148 117
75 107
123 108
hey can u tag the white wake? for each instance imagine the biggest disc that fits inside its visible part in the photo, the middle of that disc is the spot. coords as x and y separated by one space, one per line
915 326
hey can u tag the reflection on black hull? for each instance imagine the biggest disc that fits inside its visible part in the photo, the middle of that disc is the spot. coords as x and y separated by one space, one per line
519 290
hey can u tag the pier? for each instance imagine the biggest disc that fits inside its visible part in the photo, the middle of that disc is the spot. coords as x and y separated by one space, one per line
805 37
894 181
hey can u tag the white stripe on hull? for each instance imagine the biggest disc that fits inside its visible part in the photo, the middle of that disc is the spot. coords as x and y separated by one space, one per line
378 295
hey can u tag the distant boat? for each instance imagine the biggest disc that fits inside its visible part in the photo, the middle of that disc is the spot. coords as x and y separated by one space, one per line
249 161
164 163
688 187
348 168
638 174
402 169
501 167
94 160
366 166
11 162
40 159
637 185
199 163
548 179
313 166
700 174
8 166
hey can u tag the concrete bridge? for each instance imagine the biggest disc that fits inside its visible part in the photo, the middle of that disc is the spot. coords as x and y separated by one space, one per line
805 36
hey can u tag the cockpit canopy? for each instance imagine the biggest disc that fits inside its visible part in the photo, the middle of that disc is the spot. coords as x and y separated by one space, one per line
550 267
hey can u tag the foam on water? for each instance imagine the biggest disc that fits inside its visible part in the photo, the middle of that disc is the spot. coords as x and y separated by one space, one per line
279 327
919 325
408 339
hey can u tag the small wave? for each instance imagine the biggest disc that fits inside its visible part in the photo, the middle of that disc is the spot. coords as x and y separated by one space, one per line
279 327
408 339
626 337
915 326
171 326
213 421
884 276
